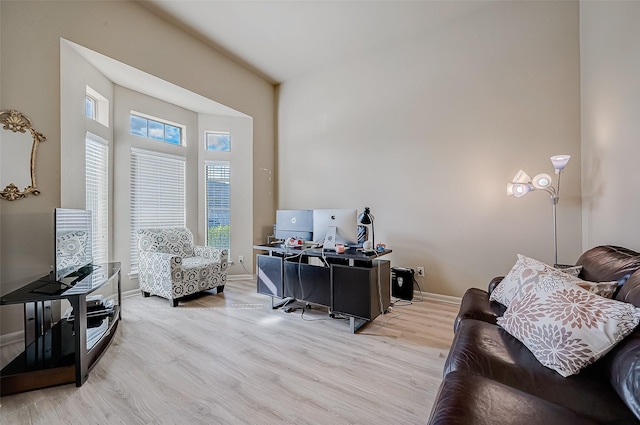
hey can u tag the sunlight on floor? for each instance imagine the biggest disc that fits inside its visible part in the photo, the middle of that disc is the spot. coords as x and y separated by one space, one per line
270 320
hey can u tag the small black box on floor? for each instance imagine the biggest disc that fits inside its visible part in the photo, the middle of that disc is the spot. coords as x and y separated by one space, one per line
402 283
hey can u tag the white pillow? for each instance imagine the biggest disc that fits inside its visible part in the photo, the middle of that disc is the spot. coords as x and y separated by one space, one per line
566 327
527 270
604 289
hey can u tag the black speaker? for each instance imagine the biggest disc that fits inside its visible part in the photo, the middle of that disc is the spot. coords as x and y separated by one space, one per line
402 283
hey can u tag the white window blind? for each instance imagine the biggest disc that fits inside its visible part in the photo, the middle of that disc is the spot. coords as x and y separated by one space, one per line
218 199
97 194
157 194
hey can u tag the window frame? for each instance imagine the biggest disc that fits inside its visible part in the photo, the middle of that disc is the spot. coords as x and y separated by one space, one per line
100 106
212 132
94 108
181 128
226 179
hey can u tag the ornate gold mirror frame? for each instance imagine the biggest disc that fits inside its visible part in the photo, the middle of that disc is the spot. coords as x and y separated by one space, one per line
18 123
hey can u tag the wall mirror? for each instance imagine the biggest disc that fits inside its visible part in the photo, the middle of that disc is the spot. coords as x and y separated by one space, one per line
18 146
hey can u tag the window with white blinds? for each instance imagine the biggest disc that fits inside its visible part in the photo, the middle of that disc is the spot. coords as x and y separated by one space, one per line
218 201
157 194
97 194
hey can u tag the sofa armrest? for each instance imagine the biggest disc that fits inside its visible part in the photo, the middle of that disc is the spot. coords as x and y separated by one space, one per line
476 305
493 283
218 254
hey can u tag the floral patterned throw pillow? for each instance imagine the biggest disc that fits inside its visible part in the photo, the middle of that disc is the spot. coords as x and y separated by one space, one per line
527 270
567 327
573 270
604 289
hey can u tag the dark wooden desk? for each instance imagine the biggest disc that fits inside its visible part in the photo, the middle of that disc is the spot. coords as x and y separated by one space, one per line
353 284
57 353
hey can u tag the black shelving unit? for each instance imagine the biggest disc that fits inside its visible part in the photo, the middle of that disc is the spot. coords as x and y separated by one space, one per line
57 353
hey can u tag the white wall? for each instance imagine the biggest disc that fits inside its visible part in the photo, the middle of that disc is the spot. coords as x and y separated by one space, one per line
124 31
610 66
427 131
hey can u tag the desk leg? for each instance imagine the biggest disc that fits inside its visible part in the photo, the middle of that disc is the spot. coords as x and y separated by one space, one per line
355 324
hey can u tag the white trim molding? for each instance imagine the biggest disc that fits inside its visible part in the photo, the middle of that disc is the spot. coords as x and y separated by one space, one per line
12 338
240 277
442 298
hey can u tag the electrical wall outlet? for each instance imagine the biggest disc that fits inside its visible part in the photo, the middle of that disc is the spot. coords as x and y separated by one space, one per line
421 271
241 259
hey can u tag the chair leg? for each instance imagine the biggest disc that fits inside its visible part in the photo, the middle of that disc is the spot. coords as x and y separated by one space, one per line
145 294
219 289
173 303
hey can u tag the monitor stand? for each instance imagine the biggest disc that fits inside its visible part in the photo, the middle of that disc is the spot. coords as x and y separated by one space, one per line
330 238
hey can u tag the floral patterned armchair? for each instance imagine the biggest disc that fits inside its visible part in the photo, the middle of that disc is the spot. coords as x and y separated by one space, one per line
170 266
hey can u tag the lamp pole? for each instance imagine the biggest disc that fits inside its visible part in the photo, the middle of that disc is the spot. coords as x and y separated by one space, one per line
554 202
523 184
555 197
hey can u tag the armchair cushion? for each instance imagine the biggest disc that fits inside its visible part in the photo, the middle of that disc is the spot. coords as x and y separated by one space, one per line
203 272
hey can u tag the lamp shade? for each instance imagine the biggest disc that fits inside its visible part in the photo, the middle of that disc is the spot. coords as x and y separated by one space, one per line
521 177
520 189
365 217
541 181
560 161
509 189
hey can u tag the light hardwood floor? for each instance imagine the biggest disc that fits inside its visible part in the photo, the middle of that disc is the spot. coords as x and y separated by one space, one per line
230 359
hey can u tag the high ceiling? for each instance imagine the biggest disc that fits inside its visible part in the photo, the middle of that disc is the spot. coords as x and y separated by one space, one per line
285 39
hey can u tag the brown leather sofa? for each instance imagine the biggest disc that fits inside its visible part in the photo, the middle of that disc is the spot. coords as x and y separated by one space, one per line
492 378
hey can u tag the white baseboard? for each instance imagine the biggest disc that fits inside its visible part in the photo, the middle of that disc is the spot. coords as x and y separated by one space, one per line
12 338
240 276
131 293
442 298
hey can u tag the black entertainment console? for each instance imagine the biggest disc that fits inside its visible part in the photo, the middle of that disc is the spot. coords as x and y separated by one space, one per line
353 283
63 351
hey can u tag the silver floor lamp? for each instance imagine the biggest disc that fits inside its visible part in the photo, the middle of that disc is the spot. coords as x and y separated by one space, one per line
523 184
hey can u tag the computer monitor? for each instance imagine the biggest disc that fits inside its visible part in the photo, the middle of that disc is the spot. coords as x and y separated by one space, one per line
297 224
335 226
